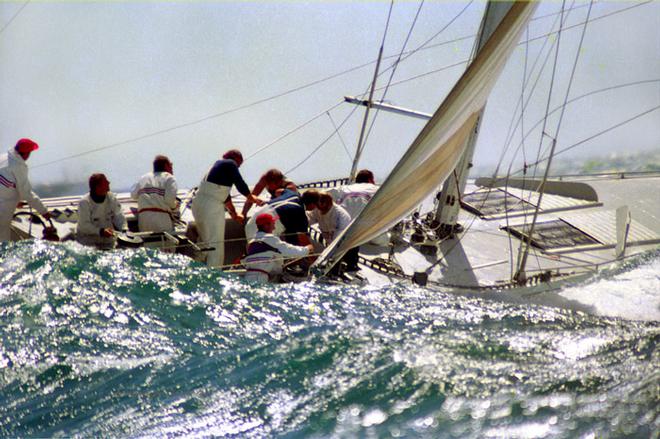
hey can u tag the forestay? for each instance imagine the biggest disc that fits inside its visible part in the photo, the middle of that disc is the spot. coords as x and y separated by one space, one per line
436 150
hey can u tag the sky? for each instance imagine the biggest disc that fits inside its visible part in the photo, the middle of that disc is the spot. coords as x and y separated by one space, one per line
105 86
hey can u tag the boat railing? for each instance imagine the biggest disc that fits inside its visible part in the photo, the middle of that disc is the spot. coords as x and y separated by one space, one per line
325 183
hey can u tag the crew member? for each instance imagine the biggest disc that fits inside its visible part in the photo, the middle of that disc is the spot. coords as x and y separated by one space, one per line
99 215
322 210
266 252
212 197
353 197
15 186
156 197
271 180
291 221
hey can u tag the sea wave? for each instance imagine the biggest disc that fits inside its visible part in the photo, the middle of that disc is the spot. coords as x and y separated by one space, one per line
142 343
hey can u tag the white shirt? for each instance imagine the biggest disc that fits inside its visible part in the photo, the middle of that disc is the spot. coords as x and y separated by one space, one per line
354 197
92 217
330 223
156 190
14 183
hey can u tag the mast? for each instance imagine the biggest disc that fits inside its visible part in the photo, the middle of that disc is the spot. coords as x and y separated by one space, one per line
453 188
360 146
437 149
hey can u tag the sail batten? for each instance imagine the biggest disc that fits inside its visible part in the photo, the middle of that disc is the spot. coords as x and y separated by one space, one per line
437 149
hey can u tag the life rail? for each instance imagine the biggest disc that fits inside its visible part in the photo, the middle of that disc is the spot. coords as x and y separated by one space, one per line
325 183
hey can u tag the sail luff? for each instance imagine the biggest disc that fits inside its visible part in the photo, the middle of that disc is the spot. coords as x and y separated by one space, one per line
436 150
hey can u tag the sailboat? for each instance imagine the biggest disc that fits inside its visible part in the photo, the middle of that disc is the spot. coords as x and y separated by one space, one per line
497 234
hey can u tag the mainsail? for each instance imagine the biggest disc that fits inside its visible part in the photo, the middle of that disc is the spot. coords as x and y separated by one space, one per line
437 149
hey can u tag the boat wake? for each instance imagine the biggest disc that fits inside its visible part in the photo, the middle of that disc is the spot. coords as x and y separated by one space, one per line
141 343
630 291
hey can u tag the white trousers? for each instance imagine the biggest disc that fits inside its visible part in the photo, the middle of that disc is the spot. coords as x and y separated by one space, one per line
154 222
208 209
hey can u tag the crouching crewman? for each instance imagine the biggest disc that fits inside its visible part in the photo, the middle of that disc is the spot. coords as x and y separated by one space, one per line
266 252
99 215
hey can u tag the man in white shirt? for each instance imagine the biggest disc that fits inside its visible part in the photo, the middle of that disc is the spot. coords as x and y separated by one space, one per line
266 252
15 186
155 194
322 210
353 197
99 215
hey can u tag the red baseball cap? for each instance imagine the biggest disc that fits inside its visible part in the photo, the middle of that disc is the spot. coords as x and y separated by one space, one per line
265 218
26 145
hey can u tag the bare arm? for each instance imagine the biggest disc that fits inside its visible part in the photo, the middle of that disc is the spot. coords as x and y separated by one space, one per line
229 205
258 188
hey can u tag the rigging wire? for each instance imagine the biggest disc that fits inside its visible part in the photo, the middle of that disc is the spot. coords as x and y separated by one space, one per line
546 36
585 95
520 101
613 127
572 77
323 142
341 139
519 276
420 47
299 127
14 17
360 145
523 106
422 75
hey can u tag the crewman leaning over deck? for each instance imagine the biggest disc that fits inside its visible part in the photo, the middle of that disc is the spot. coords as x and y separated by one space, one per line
291 221
15 186
353 197
99 215
212 196
156 197
271 180
322 210
266 252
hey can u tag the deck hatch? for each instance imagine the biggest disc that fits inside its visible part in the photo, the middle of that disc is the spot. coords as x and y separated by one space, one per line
552 235
498 203
493 202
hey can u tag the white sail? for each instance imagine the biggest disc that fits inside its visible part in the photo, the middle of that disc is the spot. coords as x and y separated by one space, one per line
436 150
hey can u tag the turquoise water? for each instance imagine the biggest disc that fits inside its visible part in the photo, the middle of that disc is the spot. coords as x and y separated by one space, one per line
141 344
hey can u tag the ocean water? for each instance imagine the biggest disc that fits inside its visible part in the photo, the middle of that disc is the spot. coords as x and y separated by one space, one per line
144 344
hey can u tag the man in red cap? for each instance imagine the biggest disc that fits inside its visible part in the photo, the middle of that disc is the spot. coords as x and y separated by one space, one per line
266 252
15 186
